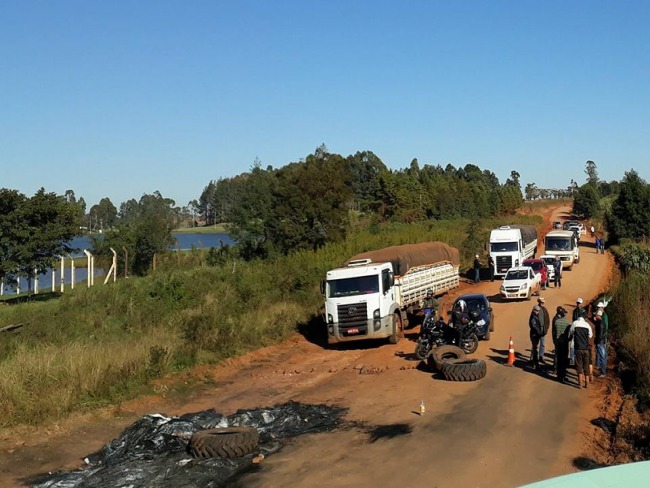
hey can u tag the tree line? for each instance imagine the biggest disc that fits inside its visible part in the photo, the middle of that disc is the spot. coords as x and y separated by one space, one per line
306 204
623 207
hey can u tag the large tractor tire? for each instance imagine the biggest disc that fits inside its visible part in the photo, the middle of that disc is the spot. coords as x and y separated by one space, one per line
444 353
228 442
464 369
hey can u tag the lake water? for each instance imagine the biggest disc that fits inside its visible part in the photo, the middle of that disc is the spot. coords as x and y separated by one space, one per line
183 242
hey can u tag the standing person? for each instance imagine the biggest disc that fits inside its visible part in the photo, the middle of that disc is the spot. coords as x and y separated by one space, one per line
557 266
491 264
579 310
601 342
597 244
602 245
477 270
576 313
592 231
580 332
545 321
560 333
535 334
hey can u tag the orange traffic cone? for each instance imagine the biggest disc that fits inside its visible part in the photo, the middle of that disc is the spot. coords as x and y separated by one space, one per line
511 353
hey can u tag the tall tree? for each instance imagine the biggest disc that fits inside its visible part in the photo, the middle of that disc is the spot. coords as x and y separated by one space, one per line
34 231
144 229
592 173
629 216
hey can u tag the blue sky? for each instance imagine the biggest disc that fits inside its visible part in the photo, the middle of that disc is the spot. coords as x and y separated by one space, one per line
120 98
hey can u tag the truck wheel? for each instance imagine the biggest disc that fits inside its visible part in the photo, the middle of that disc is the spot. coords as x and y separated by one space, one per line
445 353
464 369
228 442
397 330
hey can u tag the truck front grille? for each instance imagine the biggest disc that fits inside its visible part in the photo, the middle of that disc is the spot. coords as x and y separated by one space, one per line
504 263
353 316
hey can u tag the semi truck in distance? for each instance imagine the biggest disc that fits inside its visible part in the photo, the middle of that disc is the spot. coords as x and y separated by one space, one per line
369 296
563 243
510 245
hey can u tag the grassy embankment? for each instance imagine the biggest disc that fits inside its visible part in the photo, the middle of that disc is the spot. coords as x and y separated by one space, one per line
629 315
93 347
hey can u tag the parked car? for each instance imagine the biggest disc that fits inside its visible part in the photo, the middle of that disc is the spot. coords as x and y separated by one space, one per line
539 266
557 224
550 261
520 282
479 302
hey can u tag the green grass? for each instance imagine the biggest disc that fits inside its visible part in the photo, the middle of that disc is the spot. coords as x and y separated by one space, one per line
207 229
96 346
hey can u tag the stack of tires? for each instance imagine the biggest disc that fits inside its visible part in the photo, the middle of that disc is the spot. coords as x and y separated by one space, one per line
452 363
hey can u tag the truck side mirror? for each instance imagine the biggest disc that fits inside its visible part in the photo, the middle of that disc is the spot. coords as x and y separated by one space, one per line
322 287
391 278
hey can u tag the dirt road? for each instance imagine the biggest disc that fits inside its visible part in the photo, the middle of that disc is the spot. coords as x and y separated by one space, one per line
511 428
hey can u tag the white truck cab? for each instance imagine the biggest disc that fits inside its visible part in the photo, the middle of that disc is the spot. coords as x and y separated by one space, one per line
563 243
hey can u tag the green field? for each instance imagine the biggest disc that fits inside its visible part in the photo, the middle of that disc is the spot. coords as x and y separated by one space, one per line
208 229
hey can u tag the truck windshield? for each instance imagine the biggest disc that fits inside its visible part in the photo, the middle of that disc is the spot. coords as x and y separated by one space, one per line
504 246
520 274
558 244
359 285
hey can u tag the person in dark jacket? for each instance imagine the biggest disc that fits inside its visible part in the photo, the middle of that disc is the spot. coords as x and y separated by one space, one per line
545 321
491 265
477 270
580 332
601 342
536 333
560 333
557 276
579 310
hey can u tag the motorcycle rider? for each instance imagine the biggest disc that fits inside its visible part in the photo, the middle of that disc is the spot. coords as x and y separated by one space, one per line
430 303
459 319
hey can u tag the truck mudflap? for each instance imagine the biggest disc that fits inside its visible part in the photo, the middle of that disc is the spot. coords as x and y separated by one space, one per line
372 329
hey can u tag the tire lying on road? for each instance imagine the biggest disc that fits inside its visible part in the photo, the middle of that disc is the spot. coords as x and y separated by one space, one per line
227 442
463 369
444 353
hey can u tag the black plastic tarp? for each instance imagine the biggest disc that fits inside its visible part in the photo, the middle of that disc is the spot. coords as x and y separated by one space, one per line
528 232
153 451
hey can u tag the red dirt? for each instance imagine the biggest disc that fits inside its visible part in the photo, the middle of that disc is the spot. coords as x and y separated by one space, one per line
512 414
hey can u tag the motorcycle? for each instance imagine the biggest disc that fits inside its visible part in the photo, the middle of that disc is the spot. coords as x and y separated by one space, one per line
436 333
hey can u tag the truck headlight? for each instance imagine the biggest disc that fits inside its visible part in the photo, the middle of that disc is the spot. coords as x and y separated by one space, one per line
376 314
516 262
524 286
330 319
503 288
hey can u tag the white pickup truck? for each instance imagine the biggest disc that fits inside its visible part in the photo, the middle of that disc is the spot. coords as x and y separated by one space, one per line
520 282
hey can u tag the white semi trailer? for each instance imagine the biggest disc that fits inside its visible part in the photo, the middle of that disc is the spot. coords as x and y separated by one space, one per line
370 295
